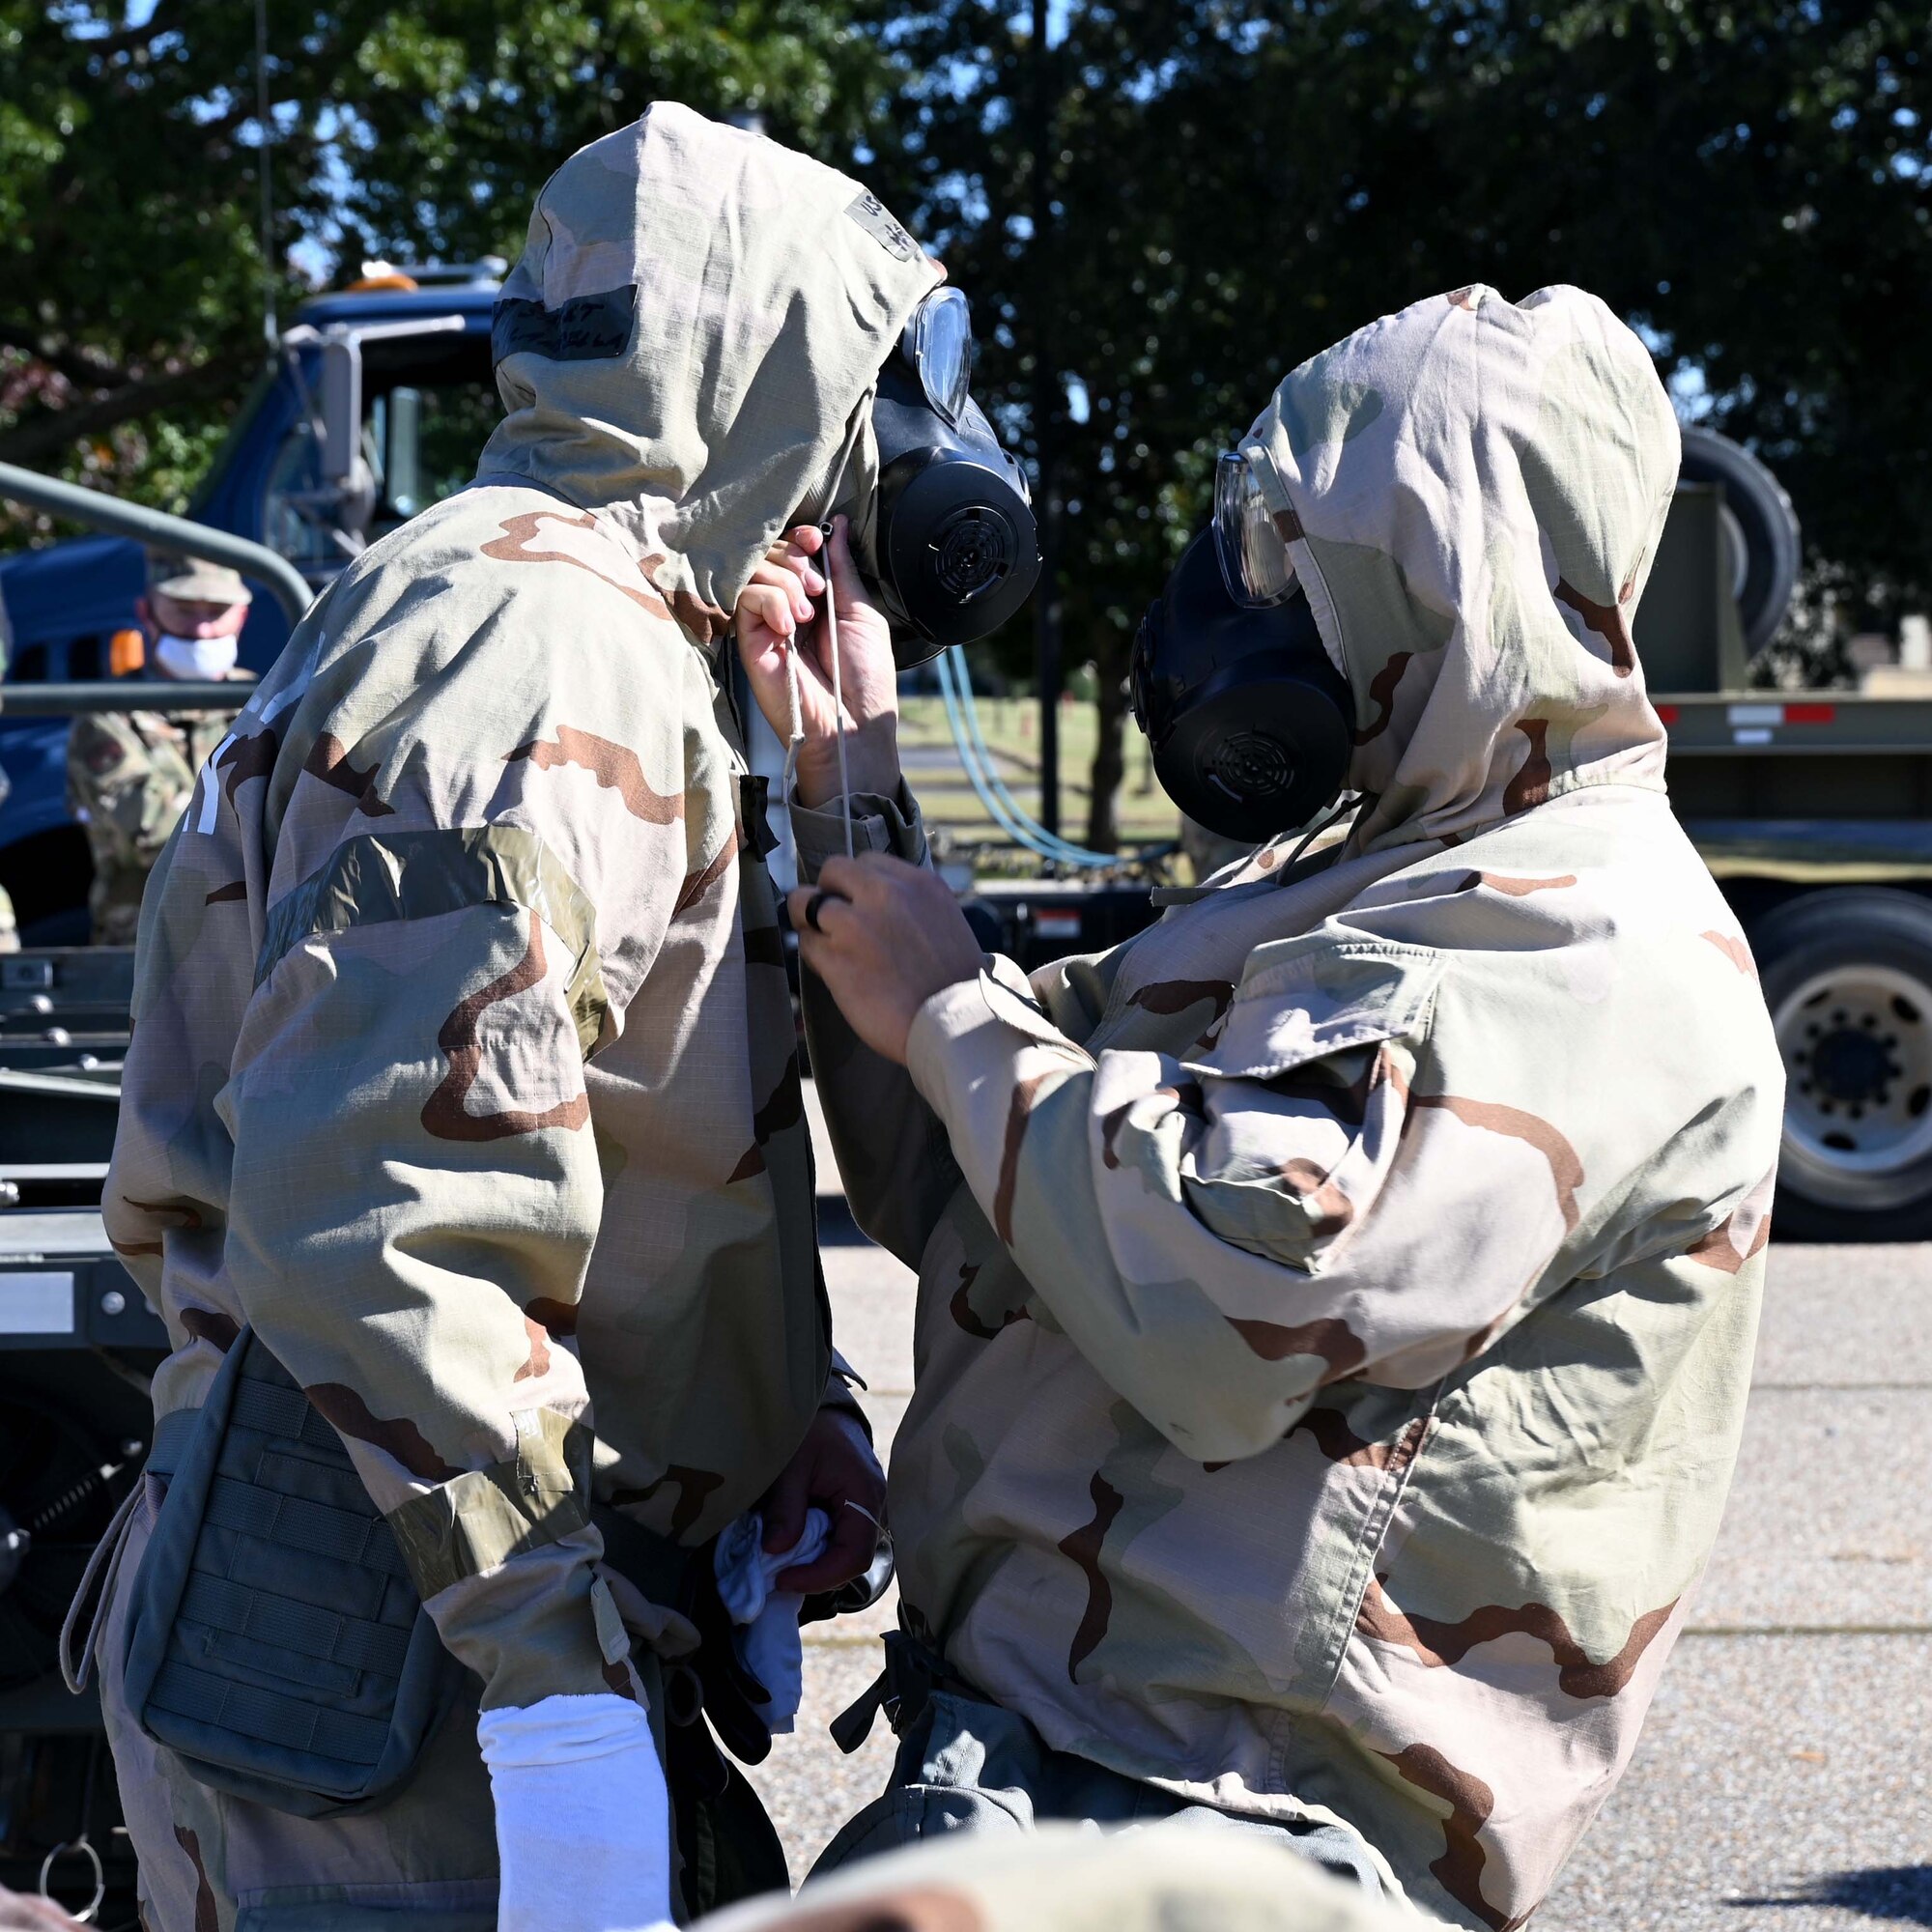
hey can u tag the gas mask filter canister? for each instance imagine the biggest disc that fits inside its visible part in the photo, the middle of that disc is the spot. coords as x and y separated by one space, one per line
1250 725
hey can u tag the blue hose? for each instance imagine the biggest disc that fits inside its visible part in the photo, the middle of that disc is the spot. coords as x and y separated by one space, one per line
962 715
1013 828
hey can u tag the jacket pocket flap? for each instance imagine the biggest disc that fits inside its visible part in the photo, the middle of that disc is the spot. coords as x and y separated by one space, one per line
1303 999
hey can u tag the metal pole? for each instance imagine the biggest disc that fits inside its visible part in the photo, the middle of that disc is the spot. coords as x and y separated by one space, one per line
1046 608
266 124
144 693
275 573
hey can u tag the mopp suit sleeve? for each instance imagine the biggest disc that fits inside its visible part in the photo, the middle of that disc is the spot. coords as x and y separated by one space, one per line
891 1147
416 1192
1222 1235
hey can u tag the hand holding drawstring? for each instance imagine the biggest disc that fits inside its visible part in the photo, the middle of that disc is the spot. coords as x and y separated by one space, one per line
787 658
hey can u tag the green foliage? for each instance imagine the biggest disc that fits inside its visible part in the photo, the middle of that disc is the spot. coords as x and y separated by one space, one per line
131 272
485 102
1235 183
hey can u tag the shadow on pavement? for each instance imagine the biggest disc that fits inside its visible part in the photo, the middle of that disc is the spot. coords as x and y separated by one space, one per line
1901 1893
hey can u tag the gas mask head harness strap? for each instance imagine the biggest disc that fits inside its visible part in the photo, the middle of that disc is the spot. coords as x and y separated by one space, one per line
955 551
1250 724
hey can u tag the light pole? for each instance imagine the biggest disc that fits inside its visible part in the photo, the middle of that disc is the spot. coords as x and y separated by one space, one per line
1046 608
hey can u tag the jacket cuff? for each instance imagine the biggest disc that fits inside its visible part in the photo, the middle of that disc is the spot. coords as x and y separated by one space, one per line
974 1030
880 823
842 1392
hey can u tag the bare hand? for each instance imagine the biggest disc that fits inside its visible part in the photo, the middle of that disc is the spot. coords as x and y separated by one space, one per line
836 1471
773 614
778 599
888 937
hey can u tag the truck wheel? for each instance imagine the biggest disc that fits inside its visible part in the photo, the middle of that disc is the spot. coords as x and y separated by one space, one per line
1848 978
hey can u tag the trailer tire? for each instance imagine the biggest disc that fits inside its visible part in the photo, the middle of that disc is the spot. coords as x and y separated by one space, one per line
1847 974
1762 524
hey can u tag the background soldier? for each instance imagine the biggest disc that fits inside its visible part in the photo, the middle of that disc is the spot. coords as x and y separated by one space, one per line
129 773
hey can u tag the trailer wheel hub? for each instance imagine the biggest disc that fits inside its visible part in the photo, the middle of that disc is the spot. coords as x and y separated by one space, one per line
1857 1042
1851 1067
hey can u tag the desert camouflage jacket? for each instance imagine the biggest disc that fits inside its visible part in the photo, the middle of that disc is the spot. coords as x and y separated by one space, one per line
1336 1304
463 1063
128 774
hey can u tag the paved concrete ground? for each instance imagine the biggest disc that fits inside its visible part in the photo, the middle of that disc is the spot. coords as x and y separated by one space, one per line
1784 1780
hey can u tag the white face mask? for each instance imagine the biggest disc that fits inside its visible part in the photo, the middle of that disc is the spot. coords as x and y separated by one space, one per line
196 657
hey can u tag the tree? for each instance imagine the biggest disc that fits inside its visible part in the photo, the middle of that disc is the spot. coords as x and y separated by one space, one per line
1235 183
131 276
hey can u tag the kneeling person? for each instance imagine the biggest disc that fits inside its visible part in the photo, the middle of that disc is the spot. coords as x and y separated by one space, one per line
1336 1303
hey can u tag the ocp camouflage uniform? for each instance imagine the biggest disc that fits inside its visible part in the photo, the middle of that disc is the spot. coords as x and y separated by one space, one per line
129 776
1336 1304
463 1063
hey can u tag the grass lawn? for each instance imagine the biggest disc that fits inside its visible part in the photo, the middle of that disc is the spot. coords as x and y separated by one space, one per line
1012 726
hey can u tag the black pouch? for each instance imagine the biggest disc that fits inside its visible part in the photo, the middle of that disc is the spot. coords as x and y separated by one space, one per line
274 1639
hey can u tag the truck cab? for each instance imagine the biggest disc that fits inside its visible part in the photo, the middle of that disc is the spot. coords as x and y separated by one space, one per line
374 406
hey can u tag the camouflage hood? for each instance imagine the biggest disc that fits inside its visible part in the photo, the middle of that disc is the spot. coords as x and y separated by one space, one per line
689 345
1472 490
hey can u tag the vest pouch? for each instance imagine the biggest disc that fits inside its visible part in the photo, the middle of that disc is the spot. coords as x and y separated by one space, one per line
274 1639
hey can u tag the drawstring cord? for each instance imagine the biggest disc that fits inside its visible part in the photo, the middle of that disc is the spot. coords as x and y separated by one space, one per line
838 692
796 739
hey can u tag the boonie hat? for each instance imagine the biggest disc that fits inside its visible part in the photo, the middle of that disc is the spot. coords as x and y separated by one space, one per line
193 580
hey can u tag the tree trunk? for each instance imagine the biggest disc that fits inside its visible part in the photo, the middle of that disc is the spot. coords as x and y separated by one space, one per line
1110 702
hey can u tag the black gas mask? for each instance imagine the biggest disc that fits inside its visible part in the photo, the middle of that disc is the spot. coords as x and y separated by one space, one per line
1250 724
955 551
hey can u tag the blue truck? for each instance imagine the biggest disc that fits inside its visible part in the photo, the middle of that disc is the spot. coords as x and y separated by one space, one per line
373 407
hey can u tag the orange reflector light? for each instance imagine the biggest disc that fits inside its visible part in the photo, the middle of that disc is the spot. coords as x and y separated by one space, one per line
127 651
363 284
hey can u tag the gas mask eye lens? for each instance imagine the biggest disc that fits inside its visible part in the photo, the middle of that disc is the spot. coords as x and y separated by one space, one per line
1255 560
955 549
938 343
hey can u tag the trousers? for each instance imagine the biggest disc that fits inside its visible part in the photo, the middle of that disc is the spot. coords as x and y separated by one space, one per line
967 1764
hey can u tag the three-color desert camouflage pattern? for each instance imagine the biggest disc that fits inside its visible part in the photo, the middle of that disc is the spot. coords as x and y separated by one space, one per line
1336 1304
463 1063
1062 1877
129 776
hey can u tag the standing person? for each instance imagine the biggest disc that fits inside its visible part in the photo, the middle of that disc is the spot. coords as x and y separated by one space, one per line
129 773
463 1100
1336 1304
